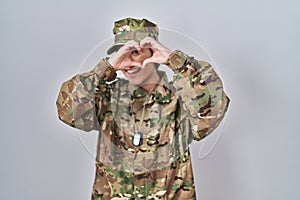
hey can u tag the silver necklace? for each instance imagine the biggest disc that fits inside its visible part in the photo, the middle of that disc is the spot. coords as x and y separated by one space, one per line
137 139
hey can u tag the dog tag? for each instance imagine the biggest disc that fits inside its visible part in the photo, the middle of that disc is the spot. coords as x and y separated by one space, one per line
137 139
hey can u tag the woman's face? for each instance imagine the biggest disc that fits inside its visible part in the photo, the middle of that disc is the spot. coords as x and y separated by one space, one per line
137 75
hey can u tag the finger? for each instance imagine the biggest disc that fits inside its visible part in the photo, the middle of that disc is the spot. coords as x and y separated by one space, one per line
128 47
147 61
136 64
147 42
127 62
147 39
132 44
154 44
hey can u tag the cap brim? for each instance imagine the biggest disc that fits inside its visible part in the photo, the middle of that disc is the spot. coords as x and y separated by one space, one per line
114 48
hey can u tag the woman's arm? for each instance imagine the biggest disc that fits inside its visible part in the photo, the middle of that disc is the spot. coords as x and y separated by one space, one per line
84 97
201 93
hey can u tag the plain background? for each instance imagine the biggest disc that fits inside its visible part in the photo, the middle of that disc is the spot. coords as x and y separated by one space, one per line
255 45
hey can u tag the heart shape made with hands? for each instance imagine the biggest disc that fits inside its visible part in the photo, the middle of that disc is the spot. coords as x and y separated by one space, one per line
133 54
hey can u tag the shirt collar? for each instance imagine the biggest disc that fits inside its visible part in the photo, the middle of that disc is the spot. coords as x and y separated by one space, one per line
161 93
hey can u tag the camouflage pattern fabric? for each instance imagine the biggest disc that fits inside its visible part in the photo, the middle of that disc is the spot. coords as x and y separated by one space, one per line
132 29
189 108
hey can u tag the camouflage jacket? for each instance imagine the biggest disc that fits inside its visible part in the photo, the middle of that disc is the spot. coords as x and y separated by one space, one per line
174 113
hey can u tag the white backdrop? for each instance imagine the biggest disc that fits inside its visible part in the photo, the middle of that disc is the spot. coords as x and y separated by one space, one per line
255 45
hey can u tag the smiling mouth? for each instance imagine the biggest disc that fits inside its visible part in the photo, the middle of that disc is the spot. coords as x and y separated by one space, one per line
133 71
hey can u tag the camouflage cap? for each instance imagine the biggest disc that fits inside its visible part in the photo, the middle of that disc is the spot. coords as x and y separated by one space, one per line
132 29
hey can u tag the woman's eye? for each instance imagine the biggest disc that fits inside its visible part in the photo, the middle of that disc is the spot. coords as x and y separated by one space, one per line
135 52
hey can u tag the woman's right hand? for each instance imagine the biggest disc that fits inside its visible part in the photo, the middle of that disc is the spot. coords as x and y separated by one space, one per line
122 58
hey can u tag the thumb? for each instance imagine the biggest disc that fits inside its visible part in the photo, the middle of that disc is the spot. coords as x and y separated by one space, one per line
135 63
148 60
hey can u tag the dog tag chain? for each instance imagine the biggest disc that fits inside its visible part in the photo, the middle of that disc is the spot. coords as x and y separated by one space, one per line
137 139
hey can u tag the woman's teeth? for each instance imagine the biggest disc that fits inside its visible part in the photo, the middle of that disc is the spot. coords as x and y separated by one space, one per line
131 71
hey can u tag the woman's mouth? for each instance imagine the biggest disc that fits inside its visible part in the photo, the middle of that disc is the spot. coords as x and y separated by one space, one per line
133 71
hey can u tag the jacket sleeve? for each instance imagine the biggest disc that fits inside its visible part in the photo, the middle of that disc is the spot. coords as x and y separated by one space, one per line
83 97
200 90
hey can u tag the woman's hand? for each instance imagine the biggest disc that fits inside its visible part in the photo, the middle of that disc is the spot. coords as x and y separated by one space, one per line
122 58
160 52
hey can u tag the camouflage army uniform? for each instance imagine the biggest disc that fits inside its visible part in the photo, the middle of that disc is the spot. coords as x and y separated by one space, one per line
189 108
